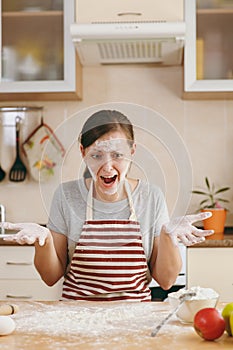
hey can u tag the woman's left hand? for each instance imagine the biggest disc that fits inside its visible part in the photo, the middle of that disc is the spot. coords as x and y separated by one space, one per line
181 228
28 233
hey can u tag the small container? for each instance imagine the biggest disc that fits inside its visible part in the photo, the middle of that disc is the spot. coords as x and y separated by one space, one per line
205 297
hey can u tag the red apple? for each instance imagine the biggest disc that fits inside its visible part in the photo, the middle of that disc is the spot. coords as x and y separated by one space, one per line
209 323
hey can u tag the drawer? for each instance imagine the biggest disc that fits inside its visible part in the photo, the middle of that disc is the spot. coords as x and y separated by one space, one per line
17 263
29 290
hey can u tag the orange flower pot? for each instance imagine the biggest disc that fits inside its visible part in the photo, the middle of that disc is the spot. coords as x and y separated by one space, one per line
216 222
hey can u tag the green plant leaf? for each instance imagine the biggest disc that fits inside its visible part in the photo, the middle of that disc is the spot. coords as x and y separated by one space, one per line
207 183
213 188
204 201
205 206
222 190
201 192
222 200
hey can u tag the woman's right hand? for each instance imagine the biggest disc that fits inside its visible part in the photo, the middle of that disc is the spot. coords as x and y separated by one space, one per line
182 229
28 233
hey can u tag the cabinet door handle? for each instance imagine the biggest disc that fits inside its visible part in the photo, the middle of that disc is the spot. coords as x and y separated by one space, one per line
11 296
18 263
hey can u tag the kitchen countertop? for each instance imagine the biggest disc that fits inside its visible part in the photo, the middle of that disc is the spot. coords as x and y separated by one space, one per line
227 241
2 243
89 325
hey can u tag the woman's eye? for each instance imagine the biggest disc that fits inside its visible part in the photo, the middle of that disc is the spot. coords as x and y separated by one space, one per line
96 156
117 155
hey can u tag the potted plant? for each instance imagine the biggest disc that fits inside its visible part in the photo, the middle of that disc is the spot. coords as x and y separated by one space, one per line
213 202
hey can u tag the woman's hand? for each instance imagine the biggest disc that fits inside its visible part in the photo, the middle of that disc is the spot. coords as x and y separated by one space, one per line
181 228
28 233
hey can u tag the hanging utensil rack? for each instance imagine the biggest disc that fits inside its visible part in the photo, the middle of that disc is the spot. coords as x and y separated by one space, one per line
8 115
18 110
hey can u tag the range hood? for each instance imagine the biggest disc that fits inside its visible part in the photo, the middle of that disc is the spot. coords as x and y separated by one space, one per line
127 42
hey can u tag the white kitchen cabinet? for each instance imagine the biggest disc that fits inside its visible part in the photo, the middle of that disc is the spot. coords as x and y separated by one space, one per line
38 59
208 64
87 11
211 268
19 279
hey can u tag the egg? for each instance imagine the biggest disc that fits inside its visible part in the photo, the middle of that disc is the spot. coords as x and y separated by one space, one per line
7 325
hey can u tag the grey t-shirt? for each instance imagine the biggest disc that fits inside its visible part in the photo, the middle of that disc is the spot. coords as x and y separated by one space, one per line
68 211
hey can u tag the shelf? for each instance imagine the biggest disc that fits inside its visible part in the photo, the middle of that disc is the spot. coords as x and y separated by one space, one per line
215 11
13 14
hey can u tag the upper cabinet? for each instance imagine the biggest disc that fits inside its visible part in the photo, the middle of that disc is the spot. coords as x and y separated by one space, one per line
208 63
87 11
38 59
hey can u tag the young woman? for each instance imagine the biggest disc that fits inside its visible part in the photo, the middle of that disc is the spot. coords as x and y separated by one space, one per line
109 234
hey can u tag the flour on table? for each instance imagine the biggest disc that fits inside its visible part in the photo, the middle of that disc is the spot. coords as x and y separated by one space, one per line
66 319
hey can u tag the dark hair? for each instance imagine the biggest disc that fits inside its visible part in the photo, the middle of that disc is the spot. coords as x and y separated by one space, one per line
102 122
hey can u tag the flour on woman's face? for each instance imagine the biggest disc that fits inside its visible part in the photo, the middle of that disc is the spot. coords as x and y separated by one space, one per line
111 145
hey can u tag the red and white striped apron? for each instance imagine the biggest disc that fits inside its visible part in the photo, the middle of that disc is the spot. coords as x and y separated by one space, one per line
109 262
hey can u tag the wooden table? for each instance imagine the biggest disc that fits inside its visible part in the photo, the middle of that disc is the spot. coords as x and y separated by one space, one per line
110 331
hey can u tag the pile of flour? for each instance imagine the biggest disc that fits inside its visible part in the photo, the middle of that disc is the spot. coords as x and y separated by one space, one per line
201 293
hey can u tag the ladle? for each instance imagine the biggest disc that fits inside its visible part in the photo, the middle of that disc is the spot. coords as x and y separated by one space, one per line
2 172
18 170
182 298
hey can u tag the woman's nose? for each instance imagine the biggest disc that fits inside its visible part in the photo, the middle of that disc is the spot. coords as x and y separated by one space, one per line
108 163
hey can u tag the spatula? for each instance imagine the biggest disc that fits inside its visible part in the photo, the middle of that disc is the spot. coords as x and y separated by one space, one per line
2 173
182 298
18 171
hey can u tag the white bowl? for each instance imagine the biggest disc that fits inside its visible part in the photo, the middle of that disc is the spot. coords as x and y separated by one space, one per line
205 297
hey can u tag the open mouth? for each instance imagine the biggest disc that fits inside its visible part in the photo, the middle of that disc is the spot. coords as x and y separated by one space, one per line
109 180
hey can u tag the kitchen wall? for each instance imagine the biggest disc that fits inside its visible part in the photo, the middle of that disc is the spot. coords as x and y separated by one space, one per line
152 97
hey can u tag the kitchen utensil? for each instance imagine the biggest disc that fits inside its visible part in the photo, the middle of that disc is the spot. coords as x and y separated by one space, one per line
2 173
18 171
8 309
182 298
205 297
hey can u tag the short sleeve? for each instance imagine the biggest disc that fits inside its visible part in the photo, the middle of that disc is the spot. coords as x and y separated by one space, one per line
56 220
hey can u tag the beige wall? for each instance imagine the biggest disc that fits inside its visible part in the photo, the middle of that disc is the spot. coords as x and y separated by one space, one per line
205 127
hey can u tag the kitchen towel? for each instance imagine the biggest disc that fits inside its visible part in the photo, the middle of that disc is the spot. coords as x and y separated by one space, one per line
44 152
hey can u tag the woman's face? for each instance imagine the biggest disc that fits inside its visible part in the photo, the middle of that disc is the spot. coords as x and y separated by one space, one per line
108 160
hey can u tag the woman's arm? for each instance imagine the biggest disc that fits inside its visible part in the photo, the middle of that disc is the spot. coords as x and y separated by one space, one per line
165 262
51 259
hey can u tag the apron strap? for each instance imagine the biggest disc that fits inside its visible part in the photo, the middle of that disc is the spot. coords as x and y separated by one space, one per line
133 216
89 209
